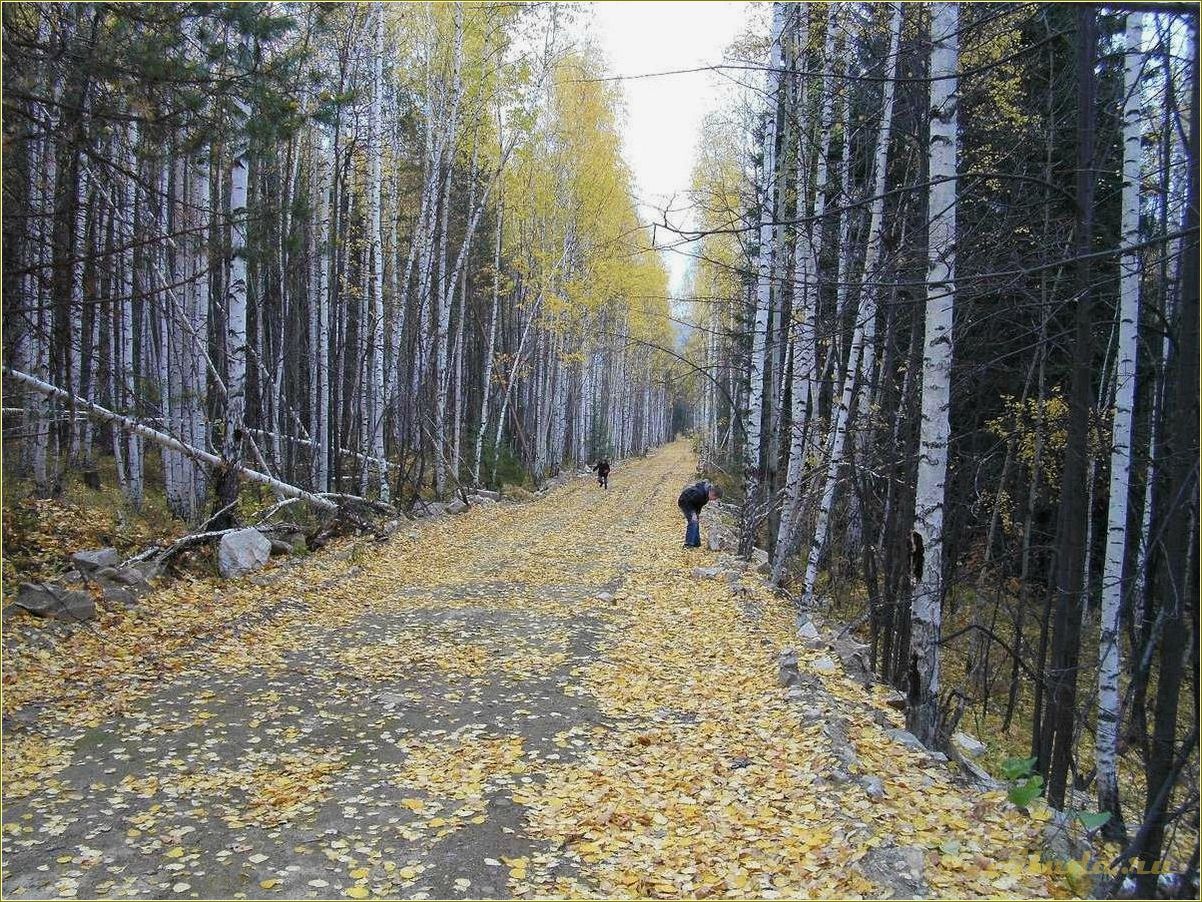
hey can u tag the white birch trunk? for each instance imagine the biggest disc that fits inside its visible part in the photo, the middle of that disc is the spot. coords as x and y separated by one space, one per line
490 351
197 426
235 339
42 407
767 250
129 219
325 289
376 237
1113 584
75 317
805 280
923 691
457 377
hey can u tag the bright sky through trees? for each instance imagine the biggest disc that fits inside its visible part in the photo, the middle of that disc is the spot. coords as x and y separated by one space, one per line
663 114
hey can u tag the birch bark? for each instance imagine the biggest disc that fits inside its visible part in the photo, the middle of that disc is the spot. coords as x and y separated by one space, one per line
922 716
1113 583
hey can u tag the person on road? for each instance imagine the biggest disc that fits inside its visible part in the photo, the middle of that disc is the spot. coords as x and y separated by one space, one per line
691 501
602 469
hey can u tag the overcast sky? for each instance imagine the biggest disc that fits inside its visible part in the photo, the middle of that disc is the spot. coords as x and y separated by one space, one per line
664 114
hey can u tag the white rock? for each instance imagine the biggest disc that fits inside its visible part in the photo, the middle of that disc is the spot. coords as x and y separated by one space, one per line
824 665
806 630
906 738
242 551
969 745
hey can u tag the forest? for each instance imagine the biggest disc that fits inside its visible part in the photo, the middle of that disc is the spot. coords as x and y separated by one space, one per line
937 339
946 306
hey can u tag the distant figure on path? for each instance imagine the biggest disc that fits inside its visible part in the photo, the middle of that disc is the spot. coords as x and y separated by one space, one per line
691 501
602 469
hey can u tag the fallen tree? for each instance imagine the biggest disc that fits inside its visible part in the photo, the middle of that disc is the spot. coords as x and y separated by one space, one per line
328 502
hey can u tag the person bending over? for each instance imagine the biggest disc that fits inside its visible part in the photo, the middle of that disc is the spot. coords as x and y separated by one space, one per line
691 501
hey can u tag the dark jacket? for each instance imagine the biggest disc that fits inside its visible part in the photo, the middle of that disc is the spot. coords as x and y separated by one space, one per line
695 497
602 468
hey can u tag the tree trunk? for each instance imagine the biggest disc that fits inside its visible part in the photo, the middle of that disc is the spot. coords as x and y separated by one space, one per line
1113 584
1056 731
922 715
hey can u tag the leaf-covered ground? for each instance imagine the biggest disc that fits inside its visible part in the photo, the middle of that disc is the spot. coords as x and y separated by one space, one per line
464 711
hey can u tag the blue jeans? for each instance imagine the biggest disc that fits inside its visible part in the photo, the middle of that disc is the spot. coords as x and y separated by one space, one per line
692 529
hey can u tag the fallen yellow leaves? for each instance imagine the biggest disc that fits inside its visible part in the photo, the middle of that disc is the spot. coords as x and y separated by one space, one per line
401 656
29 761
289 785
679 769
461 769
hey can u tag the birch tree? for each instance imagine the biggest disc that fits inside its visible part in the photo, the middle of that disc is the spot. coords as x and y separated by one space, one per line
1113 582
766 261
806 279
922 716
859 361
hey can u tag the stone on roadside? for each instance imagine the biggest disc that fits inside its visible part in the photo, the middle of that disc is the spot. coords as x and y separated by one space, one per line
457 506
719 538
978 776
873 787
823 664
279 546
487 495
88 561
969 746
429 508
149 569
129 576
806 630
705 572
908 739
55 602
855 658
789 674
121 584
898 870
242 551
606 597
835 730
120 595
